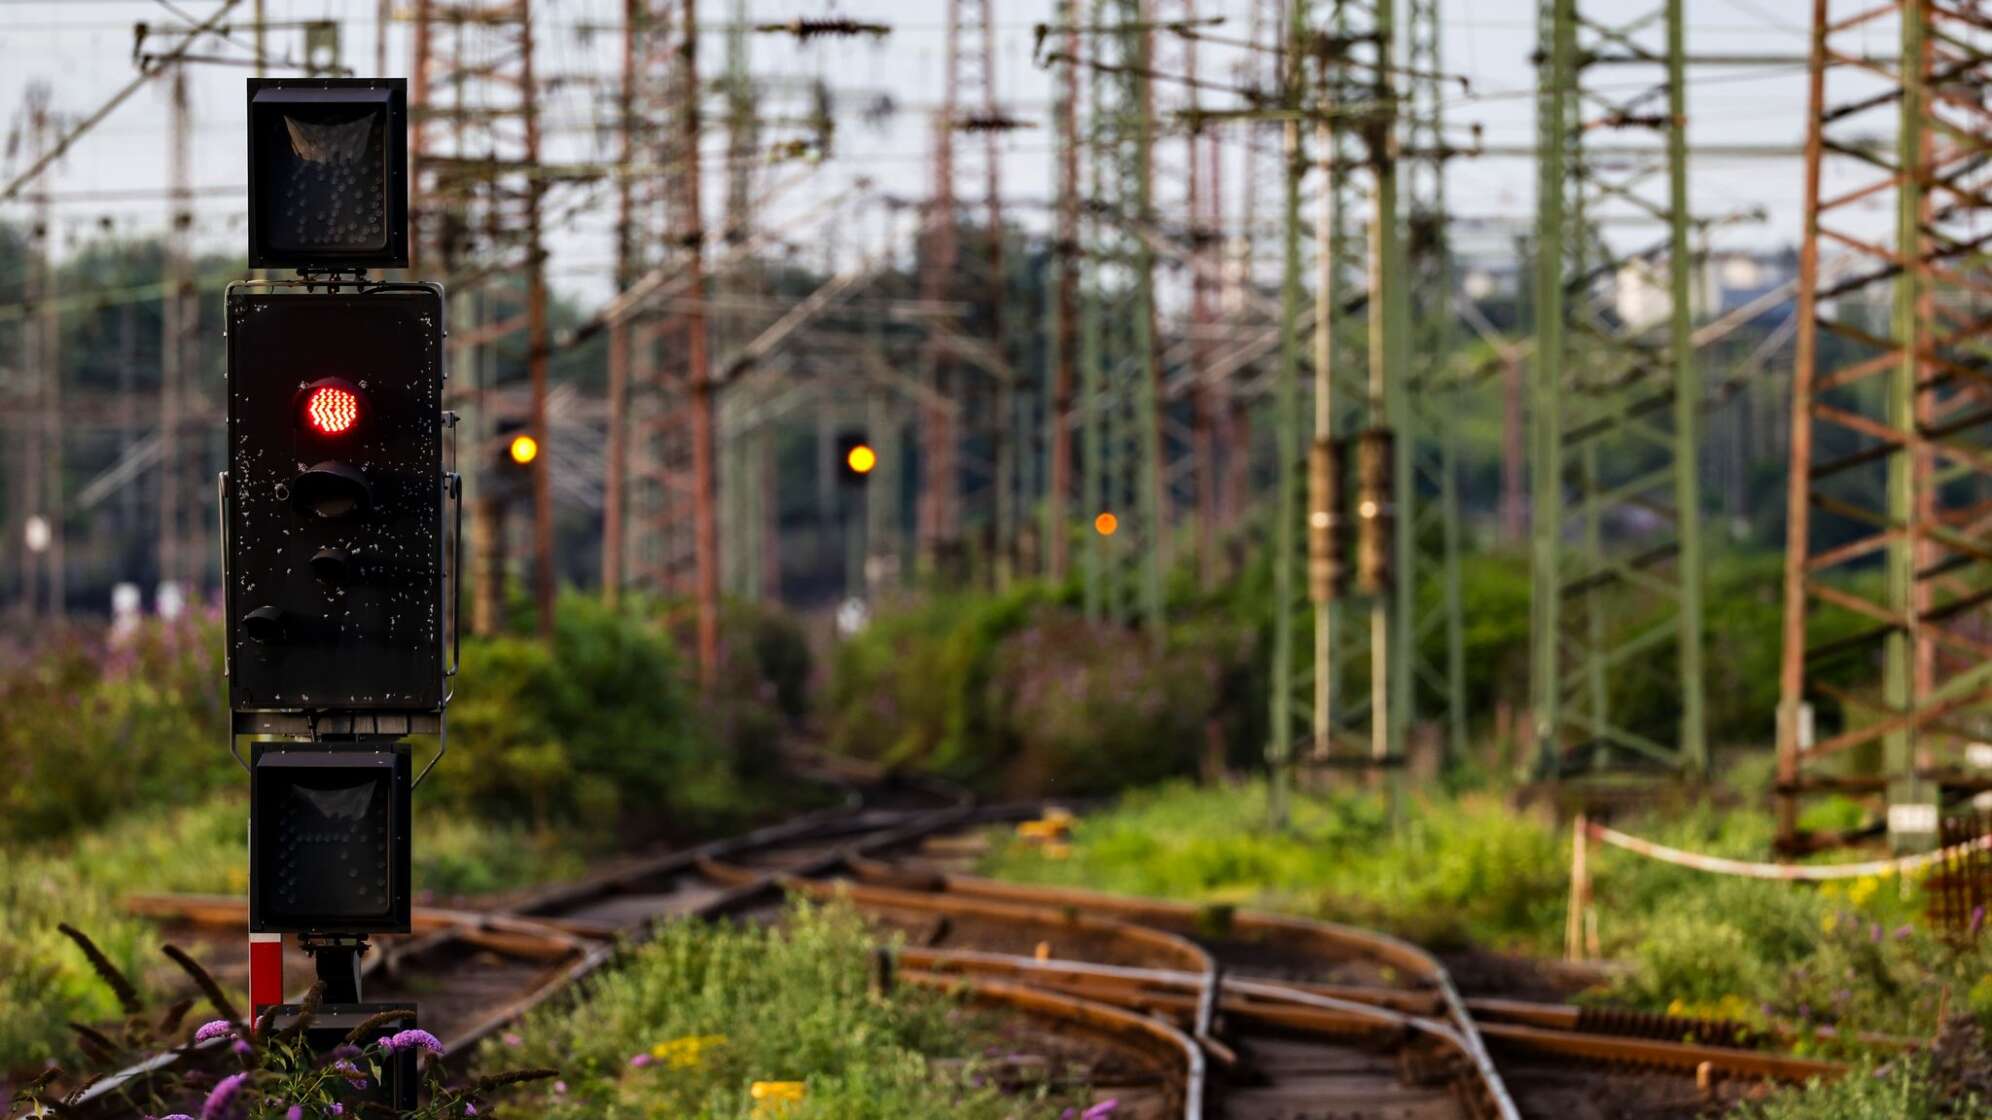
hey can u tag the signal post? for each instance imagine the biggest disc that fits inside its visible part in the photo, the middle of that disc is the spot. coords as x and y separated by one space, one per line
342 526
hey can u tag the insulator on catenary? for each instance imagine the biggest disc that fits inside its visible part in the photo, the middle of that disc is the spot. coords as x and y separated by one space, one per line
1326 574
824 28
1375 515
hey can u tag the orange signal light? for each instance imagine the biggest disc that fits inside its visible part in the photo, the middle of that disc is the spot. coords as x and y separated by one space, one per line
1105 524
332 409
524 449
861 459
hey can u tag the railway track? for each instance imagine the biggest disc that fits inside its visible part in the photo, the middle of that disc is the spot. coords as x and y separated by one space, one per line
1209 1013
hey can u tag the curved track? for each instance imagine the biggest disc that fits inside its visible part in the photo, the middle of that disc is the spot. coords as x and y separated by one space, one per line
1239 1015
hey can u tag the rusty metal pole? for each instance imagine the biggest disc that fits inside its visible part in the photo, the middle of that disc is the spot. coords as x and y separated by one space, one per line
536 333
705 511
1798 480
615 470
418 128
939 478
1003 418
1065 332
1203 225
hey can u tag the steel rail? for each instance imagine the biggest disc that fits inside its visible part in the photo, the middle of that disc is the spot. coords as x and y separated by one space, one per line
1266 1000
1101 1016
1347 939
535 928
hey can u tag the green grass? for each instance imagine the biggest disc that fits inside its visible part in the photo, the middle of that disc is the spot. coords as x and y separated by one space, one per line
44 981
1465 869
1468 868
715 1009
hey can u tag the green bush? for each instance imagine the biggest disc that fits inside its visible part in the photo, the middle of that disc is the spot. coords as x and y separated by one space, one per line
909 691
697 1016
1949 1079
90 732
1078 708
1018 694
595 726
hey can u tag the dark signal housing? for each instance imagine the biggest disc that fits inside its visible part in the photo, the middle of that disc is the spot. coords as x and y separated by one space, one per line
328 173
329 837
336 538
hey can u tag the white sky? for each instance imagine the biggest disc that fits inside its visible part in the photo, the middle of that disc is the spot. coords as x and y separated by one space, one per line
82 48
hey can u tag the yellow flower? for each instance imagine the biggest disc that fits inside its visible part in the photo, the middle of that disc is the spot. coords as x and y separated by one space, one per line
686 1052
1829 921
773 1098
1057 849
1863 889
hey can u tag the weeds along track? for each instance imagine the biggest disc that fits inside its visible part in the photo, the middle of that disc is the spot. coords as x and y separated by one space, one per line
1202 1012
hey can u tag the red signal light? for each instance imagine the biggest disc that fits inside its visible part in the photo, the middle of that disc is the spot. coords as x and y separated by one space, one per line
332 410
331 407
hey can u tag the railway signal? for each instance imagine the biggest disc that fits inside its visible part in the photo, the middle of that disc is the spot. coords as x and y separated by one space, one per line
335 499
514 451
339 548
857 458
522 450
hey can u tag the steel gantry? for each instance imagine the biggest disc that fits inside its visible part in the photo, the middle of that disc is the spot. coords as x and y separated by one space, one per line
1120 359
1888 564
475 216
1435 638
1617 566
1360 489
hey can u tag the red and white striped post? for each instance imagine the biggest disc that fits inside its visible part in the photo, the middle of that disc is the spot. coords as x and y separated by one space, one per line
266 972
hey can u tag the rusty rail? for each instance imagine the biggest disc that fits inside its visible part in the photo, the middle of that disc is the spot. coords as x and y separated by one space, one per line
1092 1013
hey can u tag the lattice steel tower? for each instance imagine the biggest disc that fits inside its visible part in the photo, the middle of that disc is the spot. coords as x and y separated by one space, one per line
1617 564
1888 564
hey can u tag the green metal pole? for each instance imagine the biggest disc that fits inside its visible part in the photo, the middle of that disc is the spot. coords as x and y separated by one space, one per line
1440 399
1390 327
1557 33
1286 422
1687 405
1327 270
1898 652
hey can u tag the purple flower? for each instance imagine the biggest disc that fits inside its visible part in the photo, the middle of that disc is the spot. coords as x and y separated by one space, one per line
469 1109
1977 919
639 1061
294 1112
241 1046
213 1029
1104 1108
512 1040
560 1088
354 1075
175 1116
221 1101
337 1109
1902 933
414 1037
